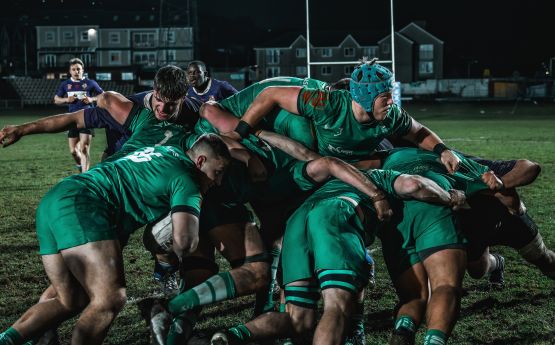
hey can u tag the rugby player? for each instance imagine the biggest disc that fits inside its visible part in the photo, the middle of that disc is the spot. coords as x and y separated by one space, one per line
79 93
205 88
85 220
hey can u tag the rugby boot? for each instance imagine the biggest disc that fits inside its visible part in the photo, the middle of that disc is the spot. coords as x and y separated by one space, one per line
497 277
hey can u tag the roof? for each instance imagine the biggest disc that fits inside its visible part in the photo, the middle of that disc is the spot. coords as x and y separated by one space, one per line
321 38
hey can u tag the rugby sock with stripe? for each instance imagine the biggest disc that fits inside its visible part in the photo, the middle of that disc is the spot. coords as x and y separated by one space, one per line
241 332
217 288
405 324
10 337
276 252
435 337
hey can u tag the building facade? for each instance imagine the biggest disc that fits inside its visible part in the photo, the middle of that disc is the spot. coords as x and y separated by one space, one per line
418 55
112 53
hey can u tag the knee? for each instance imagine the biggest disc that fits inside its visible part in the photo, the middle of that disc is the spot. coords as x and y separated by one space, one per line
302 323
448 289
112 302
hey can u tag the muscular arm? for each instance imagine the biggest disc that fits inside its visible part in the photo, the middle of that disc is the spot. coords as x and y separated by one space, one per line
284 97
288 145
427 140
50 124
523 173
116 104
424 189
62 100
257 170
185 233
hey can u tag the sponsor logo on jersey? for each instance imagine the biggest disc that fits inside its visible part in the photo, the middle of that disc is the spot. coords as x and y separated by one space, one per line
84 85
337 133
340 150
69 87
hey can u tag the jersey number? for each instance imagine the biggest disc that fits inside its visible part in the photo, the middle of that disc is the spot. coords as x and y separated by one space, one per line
144 155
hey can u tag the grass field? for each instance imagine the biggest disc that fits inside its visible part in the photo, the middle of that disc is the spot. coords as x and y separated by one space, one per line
522 313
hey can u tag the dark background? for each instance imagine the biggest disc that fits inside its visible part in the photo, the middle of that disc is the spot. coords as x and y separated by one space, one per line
503 36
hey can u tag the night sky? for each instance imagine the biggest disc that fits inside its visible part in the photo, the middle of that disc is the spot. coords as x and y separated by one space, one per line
503 36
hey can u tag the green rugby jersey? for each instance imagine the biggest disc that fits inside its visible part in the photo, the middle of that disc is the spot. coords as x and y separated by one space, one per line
149 131
338 133
416 161
145 185
279 120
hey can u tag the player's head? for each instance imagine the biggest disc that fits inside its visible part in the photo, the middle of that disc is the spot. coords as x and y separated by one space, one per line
76 68
170 87
211 156
371 84
197 74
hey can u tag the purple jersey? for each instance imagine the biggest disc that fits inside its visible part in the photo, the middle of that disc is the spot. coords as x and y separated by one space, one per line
215 91
79 89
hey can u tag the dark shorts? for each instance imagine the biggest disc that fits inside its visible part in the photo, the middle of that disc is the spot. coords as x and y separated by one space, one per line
74 133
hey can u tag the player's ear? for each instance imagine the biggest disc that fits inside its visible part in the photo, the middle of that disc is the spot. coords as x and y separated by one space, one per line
199 162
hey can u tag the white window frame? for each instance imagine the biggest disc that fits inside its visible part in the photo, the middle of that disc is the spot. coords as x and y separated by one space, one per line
49 36
114 37
370 52
170 36
273 71
349 51
84 36
300 52
348 70
426 52
67 35
301 71
112 53
50 60
327 52
149 61
272 56
326 70
425 67
86 58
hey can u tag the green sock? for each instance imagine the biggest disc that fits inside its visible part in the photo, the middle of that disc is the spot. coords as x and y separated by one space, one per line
435 337
10 337
217 288
276 252
180 330
282 307
241 332
405 324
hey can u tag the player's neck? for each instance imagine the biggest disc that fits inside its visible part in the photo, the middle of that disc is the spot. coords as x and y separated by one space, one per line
75 80
361 116
202 89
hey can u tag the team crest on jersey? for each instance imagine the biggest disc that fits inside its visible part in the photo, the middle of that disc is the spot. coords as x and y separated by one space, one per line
69 87
84 85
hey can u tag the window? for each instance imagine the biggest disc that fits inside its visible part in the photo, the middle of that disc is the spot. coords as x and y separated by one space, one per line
84 36
62 76
272 72
103 76
68 35
326 52
50 60
49 36
114 57
170 36
86 58
127 76
425 67
50 75
326 70
301 71
348 70
272 56
114 38
349 51
300 52
426 52
144 39
370 52
170 56
145 58
386 48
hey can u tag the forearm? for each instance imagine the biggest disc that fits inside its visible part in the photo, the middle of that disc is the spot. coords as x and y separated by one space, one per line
185 233
523 173
55 123
60 100
421 188
268 99
288 145
323 168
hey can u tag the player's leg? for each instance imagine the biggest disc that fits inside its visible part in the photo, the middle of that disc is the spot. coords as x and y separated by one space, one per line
84 148
73 140
66 299
445 270
104 282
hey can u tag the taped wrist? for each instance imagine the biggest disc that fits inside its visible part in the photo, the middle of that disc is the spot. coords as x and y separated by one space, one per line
439 148
243 129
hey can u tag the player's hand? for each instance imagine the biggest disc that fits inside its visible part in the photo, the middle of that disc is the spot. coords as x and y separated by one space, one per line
232 135
383 210
256 169
87 100
494 183
457 199
9 135
450 160
71 99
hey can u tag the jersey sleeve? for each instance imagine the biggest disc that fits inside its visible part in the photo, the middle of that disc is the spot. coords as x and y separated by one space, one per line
318 105
100 118
97 89
185 195
60 92
384 179
141 98
227 90
301 177
402 121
